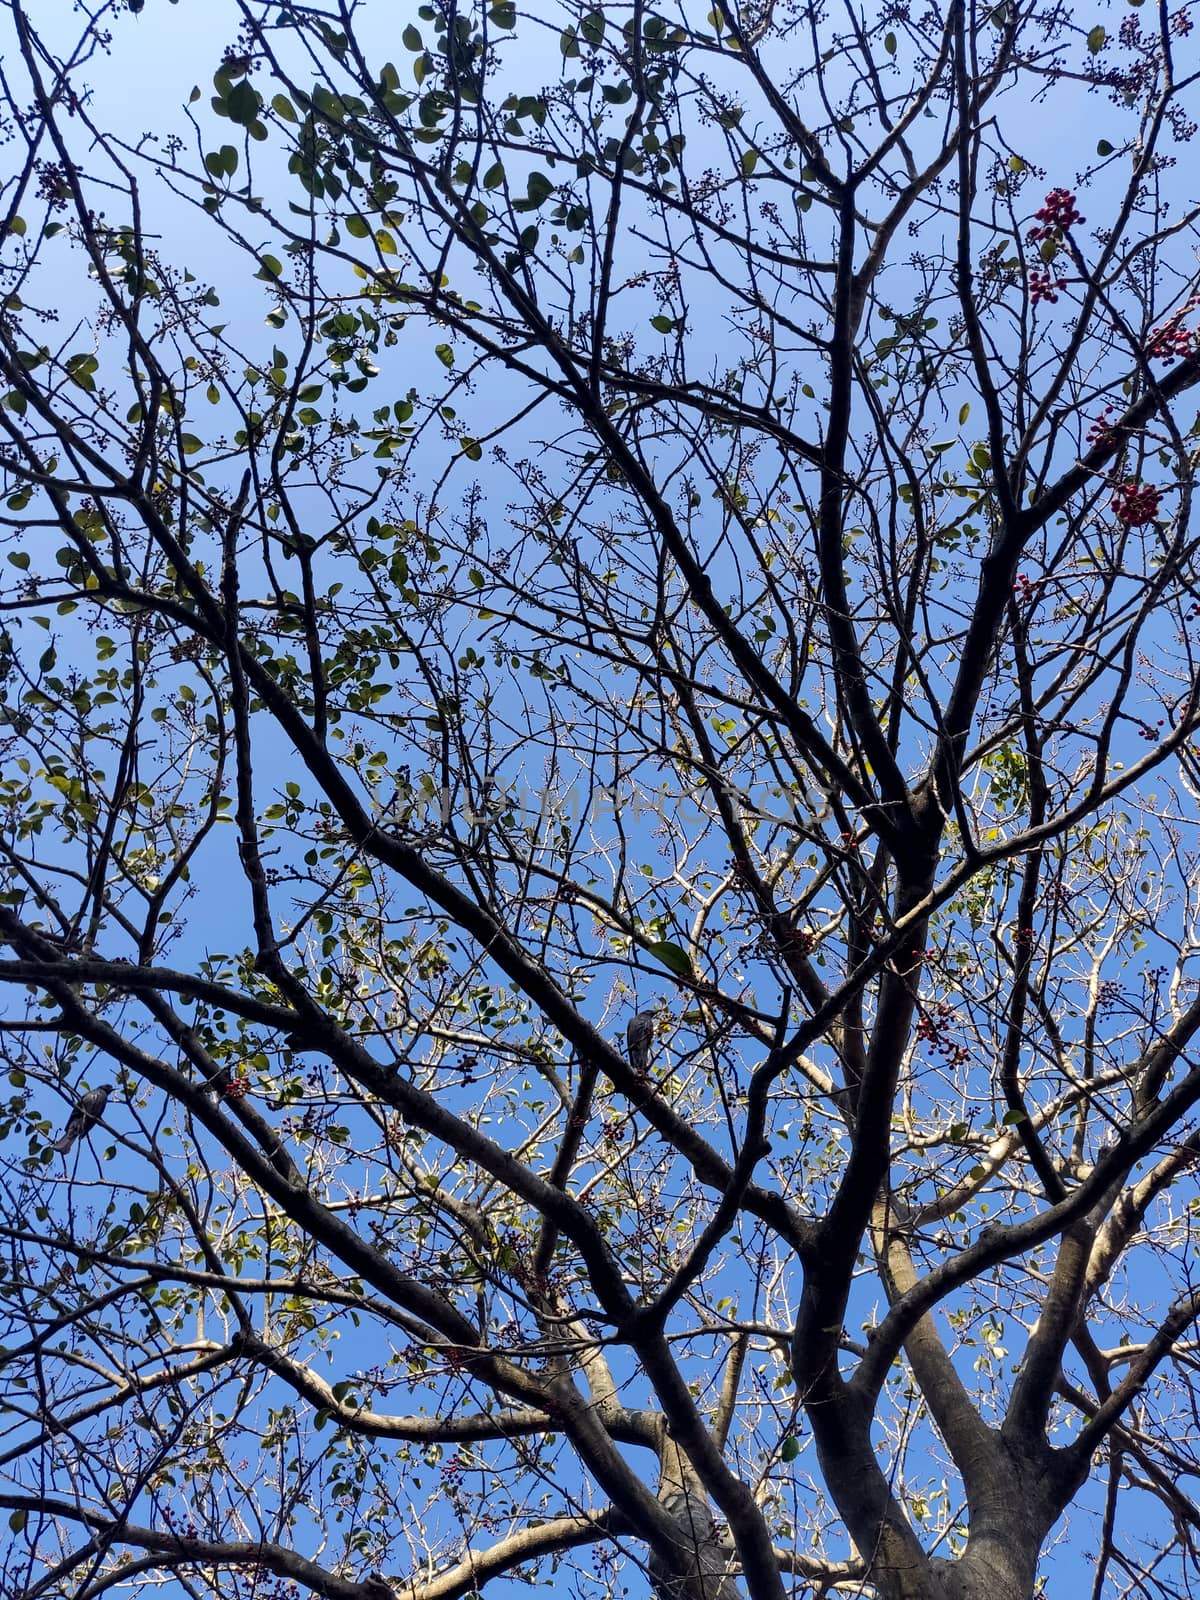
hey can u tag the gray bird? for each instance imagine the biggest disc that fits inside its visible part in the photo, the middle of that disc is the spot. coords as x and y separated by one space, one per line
639 1036
376 1587
84 1117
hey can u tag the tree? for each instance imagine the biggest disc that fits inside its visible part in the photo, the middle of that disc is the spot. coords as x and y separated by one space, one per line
704 535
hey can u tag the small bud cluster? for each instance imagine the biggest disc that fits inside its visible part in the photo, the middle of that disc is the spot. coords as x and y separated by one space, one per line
1134 504
1057 216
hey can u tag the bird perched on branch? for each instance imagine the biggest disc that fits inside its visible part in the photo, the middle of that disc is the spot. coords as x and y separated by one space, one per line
84 1117
376 1587
639 1036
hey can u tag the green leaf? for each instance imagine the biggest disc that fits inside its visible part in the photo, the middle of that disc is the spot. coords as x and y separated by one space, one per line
749 161
538 188
411 39
271 268
504 15
1011 1118
568 42
494 176
663 324
889 43
284 108
18 1519
222 163
1103 148
673 957
357 227
790 1448
244 103
1096 39
592 27
81 367
472 449
964 411
20 559
445 354
190 444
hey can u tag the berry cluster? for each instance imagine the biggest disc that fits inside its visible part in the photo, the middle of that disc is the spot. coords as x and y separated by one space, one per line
612 1131
798 939
1024 587
741 874
1170 341
54 187
1108 994
1102 431
1149 730
236 1089
604 1564
1132 80
454 1469
189 1529
932 1027
1056 217
1134 504
1043 285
